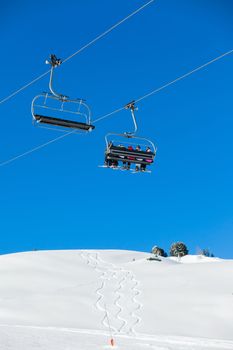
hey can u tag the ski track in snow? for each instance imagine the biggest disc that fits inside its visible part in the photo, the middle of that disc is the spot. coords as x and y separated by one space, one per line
92 262
136 302
127 277
116 302
123 320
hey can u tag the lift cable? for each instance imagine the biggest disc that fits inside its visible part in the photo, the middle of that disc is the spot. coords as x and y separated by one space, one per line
108 31
166 85
78 51
36 148
119 109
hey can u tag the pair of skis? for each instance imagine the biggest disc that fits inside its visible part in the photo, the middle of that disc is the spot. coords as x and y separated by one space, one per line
132 171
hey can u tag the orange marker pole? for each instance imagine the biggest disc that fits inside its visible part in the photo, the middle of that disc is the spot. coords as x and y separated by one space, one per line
112 343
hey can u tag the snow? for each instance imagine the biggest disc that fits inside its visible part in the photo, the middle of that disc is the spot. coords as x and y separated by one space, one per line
190 259
80 299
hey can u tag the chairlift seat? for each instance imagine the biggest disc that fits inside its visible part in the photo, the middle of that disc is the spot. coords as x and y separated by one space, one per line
123 154
63 123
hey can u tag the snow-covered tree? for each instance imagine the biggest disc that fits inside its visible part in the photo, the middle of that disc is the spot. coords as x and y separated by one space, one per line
178 249
158 251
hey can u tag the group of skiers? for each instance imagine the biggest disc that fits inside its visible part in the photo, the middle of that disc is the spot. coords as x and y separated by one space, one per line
126 164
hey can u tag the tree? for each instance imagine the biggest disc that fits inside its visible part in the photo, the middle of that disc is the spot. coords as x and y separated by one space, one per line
206 252
158 251
178 249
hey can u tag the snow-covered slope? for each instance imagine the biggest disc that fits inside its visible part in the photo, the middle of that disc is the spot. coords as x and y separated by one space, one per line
80 299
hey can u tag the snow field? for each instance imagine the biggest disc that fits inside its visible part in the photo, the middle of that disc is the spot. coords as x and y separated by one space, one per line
80 299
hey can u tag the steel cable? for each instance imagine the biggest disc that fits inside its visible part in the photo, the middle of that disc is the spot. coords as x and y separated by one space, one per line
78 51
122 108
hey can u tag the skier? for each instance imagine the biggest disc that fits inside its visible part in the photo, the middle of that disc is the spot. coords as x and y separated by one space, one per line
137 166
143 166
130 148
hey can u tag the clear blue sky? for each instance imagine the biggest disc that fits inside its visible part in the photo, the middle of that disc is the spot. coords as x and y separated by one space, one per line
58 198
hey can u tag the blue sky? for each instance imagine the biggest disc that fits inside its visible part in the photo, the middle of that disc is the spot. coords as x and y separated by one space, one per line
57 197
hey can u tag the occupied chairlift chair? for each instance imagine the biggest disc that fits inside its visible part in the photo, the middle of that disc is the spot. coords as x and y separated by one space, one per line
116 153
59 105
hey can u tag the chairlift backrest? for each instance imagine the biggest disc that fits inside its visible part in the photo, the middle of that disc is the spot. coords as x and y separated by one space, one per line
119 153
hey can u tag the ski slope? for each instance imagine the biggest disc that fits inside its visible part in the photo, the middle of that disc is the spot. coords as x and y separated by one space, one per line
81 299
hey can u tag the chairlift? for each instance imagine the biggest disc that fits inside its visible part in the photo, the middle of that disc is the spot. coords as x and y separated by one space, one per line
125 149
59 111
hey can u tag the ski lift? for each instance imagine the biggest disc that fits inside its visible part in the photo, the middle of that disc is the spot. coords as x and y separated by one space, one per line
50 108
129 148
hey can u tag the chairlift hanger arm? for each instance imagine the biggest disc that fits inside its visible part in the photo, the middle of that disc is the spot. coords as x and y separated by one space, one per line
131 106
51 83
54 62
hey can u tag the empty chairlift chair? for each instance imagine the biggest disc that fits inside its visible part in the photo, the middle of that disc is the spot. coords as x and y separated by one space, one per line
59 111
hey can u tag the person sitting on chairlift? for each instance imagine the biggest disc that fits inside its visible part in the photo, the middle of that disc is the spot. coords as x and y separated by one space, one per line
148 150
123 157
137 166
130 148
114 164
108 162
143 166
